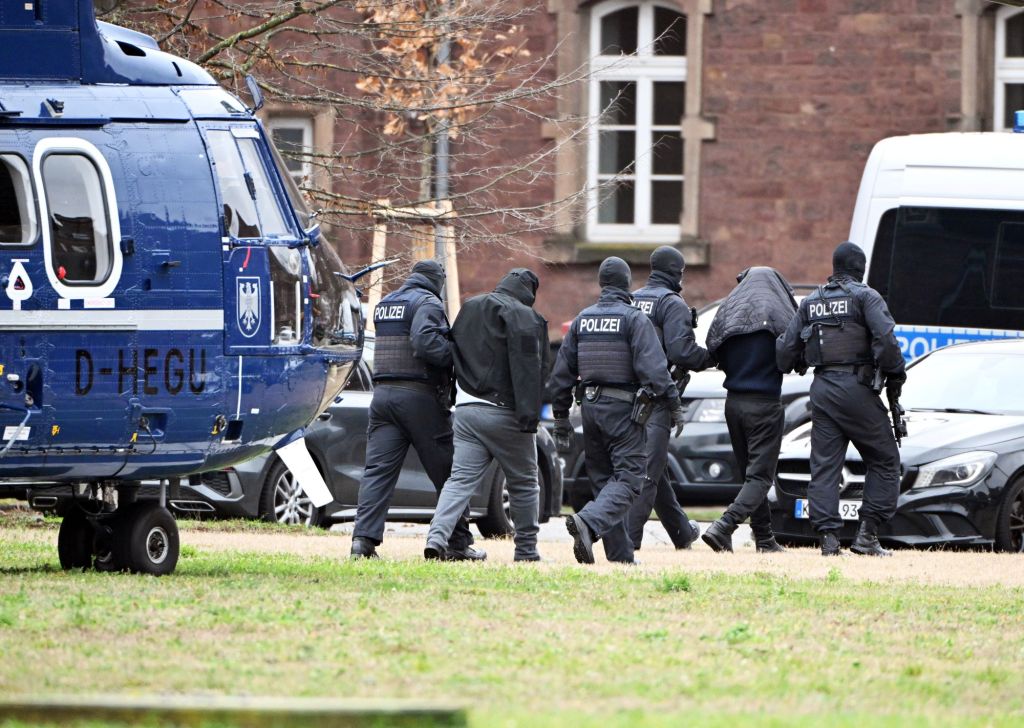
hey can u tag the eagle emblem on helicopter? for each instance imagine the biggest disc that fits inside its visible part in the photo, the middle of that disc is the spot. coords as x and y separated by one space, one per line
249 306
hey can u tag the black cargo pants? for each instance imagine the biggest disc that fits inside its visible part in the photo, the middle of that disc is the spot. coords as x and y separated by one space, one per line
400 417
843 411
755 425
658 491
617 466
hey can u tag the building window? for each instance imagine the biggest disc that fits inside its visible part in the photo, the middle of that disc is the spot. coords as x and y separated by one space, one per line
293 137
637 104
1009 71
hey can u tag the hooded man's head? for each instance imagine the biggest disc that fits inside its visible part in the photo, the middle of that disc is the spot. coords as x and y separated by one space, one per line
849 260
433 272
668 260
614 272
521 283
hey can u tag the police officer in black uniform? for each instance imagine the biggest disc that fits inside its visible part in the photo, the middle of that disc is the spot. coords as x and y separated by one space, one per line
411 400
613 349
661 300
844 330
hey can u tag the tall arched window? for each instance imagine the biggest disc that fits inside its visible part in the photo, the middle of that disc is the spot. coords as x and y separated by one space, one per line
637 102
1009 71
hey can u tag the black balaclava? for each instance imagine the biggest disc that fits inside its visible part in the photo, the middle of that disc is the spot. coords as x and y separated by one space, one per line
433 272
614 273
667 266
849 260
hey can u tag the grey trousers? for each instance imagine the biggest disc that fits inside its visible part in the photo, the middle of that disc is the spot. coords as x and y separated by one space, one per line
484 433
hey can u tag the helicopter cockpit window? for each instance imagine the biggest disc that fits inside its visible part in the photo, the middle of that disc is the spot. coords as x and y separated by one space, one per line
17 207
240 218
336 322
286 295
266 201
295 195
82 250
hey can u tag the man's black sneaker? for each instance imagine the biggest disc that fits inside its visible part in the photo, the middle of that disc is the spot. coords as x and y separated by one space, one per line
433 553
866 542
363 548
694 535
467 554
718 537
535 557
583 542
769 546
830 544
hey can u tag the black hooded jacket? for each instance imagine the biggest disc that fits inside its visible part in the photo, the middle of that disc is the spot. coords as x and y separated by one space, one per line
761 301
501 347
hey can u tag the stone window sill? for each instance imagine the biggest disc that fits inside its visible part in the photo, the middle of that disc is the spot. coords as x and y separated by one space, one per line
570 249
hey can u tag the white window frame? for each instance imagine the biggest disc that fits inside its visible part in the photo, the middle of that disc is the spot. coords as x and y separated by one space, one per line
71 145
643 68
28 204
305 125
1007 70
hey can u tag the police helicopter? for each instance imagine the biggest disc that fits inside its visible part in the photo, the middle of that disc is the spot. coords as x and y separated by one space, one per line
167 303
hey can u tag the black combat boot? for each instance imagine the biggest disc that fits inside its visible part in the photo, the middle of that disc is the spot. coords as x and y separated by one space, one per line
467 554
866 543
768 545
363 548
830 544
583 539
719 536
694 535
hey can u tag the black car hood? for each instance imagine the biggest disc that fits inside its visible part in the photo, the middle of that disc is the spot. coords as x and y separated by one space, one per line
932 435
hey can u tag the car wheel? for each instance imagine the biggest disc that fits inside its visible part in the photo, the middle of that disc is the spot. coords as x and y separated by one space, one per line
284 501
74 541
498 521
1010 524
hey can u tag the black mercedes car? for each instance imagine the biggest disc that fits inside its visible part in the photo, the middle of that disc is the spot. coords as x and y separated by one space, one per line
264 488
962 464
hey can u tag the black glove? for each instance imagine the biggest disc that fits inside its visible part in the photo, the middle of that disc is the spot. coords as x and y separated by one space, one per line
894 385
678 417
563 433
530 427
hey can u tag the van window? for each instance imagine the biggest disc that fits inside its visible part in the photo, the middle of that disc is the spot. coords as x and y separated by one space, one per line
240 219
79 229
266 201
951 266
17 206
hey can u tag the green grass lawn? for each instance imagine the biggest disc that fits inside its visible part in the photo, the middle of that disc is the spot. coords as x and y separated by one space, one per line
518 646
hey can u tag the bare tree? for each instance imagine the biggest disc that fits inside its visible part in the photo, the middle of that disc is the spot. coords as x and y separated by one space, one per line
427 93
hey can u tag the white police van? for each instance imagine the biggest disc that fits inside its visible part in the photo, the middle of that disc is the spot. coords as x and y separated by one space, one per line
941 218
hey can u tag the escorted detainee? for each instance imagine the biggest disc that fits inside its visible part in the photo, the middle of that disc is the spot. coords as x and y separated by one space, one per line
742 337
410 406
845 331
613 349
500 347
661 299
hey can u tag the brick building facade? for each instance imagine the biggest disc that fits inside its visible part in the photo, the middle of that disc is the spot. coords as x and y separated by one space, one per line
762 113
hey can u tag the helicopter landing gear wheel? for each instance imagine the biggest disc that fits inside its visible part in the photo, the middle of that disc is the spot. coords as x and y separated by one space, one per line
75 541
147 540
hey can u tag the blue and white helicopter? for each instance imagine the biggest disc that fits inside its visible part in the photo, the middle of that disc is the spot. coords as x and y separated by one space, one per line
167 302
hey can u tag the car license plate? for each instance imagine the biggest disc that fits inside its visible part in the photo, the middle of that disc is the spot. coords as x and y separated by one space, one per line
849 510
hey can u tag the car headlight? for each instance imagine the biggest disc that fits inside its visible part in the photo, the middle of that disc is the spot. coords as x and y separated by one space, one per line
709 410
964 469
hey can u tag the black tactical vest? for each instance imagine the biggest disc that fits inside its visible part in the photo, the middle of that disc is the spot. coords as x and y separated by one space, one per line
603 352
393 357
835 332
648 299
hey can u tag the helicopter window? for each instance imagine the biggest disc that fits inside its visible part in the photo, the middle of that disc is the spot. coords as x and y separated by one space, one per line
240 219
336 322
263 193
286 295
79 230
17 208
295 195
